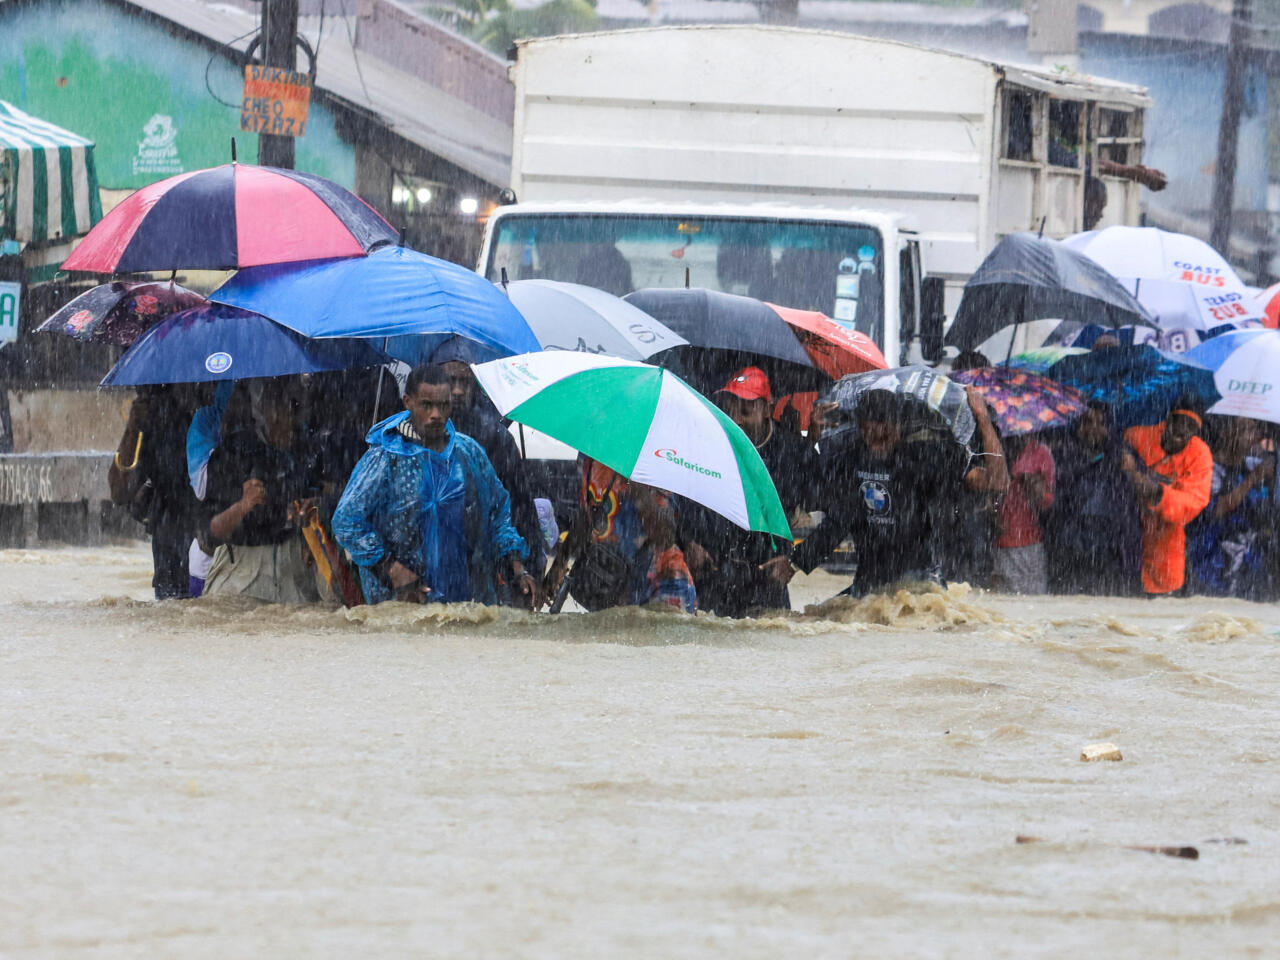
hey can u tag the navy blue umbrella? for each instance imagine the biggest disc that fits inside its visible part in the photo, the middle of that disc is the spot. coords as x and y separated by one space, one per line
1029 278
1139 383
218 342
415 300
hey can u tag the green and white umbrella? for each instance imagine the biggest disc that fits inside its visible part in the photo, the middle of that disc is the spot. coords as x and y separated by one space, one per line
48 185
643 422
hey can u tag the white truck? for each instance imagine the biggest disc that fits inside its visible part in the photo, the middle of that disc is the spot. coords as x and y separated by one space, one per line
813 169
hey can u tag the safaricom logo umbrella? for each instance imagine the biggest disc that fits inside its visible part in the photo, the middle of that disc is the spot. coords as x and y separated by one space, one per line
645 423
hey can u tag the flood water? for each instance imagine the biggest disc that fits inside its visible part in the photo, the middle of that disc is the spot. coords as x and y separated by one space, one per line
223 780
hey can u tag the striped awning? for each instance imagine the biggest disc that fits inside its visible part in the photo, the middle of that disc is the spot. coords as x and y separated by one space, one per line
48 185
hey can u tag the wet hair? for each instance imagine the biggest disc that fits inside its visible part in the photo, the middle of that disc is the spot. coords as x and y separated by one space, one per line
1104 409
969 360
1189 401
431 374
1094 189
877 406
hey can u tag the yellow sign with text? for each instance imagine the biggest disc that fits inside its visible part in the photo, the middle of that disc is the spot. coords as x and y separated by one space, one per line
275 101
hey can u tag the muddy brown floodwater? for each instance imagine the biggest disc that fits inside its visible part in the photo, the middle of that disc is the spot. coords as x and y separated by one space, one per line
218 780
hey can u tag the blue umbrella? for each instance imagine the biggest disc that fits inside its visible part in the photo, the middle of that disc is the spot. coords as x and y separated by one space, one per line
392 293
1140 383
217 342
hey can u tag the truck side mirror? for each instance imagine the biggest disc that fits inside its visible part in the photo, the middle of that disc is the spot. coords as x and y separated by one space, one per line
933 317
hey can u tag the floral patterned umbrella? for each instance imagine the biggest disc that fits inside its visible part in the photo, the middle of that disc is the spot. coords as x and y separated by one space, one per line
120 312
1022 402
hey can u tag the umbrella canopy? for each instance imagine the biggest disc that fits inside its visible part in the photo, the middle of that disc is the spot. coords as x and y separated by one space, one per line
51 183
835 350
119 312
643 422
1139 383
725 333
931 402
1023 402
235 215
415 300
1182 281
1268 302
570 316
1035 278
1041 359
216 342
1246 371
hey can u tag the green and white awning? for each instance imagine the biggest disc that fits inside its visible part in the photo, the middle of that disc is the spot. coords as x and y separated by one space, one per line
48 185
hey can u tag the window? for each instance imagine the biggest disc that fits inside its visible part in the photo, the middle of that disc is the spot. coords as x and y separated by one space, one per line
1115 135
833 268
1019 125
1064 133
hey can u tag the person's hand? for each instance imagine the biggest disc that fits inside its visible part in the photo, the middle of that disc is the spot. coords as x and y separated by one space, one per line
1128 463
254 493
821 414
1150 177
406 584
780 569
300 510
977 403
1265 471
1145 485
528 585
697 557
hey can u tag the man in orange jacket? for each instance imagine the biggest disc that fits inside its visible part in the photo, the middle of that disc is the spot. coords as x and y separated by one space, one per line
1171 491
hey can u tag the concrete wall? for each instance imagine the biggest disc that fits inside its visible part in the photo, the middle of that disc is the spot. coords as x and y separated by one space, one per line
45 421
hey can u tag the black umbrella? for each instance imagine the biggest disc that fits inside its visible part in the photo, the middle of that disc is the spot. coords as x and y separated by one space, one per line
1027 278
726 333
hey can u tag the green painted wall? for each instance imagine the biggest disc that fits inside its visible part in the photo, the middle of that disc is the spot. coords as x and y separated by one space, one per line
139 92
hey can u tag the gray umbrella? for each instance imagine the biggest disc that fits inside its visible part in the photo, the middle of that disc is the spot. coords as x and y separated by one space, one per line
1035 278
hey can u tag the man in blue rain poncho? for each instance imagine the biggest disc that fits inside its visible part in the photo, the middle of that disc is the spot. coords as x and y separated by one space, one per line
424 516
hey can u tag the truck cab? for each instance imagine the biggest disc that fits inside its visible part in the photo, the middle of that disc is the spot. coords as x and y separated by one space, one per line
861 267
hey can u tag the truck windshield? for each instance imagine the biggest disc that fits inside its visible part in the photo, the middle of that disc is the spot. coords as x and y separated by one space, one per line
833 268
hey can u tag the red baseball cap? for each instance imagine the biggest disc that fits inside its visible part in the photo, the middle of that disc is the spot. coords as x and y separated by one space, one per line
749 383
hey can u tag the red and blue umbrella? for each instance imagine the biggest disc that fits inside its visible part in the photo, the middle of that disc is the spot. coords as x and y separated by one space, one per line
232 216
1022 402
216 342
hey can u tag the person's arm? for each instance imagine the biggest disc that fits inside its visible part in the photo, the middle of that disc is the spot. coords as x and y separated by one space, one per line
1230 502
122 475
1181 501
818 418
991 475
355 531
224 524
1149 177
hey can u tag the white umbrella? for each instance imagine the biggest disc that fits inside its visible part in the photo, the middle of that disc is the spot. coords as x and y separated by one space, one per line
570 316
1182 281
1246 371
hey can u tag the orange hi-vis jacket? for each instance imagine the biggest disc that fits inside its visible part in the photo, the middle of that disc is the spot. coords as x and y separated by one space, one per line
1164 539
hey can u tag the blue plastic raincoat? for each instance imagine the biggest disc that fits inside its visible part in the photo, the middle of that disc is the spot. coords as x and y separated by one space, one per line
443 515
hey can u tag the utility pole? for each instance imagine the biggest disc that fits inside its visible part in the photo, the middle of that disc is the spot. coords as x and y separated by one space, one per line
1224 183
279 49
